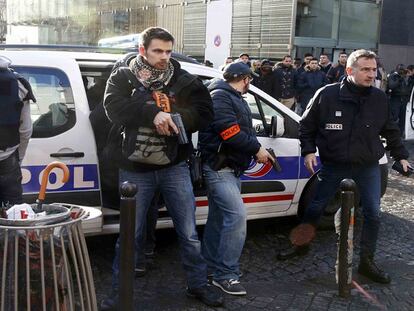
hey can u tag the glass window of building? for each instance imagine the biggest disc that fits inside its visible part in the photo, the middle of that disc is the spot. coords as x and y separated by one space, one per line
359 21
314 18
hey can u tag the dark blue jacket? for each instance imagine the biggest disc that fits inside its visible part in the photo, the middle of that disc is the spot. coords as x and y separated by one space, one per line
345 123
309 82
231 128
335 73
286 79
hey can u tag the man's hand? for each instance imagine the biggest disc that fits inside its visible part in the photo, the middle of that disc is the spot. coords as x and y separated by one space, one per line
310 162
263 156
405 164
163 124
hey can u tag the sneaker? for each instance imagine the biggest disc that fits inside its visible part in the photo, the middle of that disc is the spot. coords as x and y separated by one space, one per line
206 294
149 253
210 278
232 287
140 272
110 303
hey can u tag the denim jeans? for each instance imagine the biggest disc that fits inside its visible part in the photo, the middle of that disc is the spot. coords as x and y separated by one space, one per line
174 183
10 180
368 180
225 230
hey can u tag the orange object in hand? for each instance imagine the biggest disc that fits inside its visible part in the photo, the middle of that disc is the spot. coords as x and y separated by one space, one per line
162 101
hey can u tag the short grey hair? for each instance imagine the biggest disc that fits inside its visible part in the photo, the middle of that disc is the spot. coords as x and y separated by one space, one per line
355 55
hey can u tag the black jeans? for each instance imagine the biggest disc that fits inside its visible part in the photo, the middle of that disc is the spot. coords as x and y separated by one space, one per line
10 180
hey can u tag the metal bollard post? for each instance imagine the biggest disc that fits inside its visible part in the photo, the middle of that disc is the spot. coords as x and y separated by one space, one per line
127 245
344 271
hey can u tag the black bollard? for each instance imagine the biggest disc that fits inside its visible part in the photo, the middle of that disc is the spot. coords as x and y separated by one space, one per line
344 273
127 246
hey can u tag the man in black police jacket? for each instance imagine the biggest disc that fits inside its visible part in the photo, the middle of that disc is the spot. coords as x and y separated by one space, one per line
344 121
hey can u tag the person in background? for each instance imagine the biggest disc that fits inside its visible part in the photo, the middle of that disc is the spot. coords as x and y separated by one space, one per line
286 79
244 58
324 62
266 79
344 121
381 80
15 131
256 66
297 62
309 82
306 59
336 72
227 61
228 146
400 85
410 73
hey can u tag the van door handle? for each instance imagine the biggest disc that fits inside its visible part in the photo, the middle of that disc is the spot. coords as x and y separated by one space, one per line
67 155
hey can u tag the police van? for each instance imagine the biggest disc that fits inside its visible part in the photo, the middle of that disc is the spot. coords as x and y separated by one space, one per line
62 131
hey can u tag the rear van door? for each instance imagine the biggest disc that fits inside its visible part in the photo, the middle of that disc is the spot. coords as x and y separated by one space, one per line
61 129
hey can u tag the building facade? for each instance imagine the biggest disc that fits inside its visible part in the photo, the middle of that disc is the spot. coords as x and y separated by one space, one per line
214 29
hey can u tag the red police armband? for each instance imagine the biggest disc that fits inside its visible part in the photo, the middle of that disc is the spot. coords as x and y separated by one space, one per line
230 132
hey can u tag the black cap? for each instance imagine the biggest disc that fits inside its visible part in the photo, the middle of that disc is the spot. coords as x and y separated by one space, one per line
266 62
238 69
400 67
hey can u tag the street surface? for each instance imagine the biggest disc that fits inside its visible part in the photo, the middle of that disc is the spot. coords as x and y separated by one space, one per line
305 283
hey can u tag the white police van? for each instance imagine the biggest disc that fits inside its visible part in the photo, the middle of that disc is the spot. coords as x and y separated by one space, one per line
62 131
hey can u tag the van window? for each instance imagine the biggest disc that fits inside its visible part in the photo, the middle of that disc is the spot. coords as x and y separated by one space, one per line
262 112
54 110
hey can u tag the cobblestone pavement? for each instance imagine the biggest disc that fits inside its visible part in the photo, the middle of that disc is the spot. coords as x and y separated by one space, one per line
306 283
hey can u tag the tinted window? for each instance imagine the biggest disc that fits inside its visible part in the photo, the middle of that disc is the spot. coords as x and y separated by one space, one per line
54 110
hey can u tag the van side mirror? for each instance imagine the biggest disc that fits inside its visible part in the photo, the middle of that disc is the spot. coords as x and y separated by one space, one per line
277 126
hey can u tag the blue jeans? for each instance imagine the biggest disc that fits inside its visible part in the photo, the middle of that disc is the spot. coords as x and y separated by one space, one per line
225 230
398 106
174 183
368 180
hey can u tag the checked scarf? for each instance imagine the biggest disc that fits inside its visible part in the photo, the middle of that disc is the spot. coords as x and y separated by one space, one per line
150 77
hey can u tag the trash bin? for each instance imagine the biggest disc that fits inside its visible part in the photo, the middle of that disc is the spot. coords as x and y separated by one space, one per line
44 263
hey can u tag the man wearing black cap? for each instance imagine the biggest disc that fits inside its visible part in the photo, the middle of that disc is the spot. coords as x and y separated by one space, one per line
400 86
266 81
228 146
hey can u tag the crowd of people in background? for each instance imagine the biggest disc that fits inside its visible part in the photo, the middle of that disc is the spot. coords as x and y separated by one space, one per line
293 82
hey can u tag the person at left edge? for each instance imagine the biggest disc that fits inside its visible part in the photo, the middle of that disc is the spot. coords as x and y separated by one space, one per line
15 131
227 147
128 102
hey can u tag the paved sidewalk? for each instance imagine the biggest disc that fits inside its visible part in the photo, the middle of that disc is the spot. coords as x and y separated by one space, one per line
306 283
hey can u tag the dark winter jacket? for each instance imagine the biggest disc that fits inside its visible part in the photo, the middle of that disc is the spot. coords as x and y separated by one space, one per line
286 79
335 73
232 129
326 68
266 82
309 82
128 106
345 123
400 87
